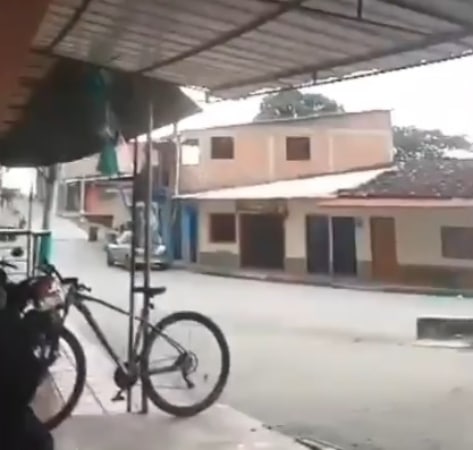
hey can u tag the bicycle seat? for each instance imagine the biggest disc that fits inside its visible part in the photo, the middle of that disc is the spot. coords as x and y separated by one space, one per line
152 291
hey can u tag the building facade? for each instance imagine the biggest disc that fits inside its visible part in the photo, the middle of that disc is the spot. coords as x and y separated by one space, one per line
260 152
408 225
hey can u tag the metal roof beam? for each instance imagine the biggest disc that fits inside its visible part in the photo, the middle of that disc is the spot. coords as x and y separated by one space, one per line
431 12
376 54
348 18
228 36
70 24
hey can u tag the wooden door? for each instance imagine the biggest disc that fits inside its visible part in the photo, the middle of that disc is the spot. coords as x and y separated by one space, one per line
383 249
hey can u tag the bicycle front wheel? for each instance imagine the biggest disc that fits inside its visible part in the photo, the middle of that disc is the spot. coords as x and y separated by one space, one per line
64 382
173 370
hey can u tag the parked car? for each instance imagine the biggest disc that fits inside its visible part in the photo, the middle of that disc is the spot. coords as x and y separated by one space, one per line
118 252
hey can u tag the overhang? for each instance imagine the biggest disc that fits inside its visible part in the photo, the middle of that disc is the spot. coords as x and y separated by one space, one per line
233 48
229 48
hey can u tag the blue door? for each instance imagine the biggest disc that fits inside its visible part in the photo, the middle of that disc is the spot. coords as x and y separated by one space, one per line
193 217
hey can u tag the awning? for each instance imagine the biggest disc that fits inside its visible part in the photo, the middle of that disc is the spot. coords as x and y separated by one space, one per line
233 47
318 187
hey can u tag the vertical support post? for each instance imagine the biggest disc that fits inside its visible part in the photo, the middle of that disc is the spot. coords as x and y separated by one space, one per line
82 197
147 239
134 244
51 196
30 226
177 142
49 209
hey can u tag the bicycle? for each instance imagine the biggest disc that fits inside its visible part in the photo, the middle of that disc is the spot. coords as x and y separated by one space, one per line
128 373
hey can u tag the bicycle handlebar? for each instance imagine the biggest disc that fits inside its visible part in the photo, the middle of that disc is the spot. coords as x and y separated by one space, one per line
8 264
50 269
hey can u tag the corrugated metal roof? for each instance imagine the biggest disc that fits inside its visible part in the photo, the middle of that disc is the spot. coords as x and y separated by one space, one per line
236 47
321 186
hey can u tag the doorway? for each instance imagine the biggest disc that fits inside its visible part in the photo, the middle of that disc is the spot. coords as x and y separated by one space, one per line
318 244
262 241
385 266
331 245
344 246
193 234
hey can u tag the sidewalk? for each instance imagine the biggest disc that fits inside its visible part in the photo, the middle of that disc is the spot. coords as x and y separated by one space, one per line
325 281
100 424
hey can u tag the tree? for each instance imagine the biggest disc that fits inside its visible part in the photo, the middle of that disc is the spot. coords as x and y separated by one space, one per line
294 104
413 143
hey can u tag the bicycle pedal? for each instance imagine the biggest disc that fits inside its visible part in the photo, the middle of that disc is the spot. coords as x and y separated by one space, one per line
119 397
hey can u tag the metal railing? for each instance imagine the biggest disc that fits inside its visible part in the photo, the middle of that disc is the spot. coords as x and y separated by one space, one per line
31 241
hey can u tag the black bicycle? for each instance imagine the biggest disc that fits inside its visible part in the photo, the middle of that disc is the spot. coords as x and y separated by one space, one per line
182 366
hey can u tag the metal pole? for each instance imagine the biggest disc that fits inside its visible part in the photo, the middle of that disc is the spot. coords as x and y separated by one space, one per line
30 226
134 244
51 196
147 240
177 142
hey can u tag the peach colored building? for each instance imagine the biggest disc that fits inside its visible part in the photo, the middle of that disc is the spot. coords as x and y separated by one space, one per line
243 154
260 152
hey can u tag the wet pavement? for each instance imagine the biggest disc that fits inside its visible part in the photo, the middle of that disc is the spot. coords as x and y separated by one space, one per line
331 364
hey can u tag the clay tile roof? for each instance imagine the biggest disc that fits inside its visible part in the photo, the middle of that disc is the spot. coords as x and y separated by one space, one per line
446 178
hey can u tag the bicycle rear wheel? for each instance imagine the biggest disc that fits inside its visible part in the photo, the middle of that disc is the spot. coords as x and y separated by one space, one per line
186 363
51 403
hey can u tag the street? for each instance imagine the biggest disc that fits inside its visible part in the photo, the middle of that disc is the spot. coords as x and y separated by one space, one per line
331 364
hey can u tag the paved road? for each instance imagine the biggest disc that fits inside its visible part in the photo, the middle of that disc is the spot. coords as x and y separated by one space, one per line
332 364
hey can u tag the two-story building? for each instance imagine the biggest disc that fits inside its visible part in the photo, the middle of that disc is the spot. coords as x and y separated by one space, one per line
243 186
265 151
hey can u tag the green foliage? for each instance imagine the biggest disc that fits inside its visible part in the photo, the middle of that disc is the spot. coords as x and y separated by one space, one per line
295 104
413 143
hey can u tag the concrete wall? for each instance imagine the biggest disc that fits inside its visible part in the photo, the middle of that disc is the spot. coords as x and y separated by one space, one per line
418 239
338 143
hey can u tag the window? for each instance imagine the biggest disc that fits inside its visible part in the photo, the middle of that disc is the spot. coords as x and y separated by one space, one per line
221 147
222 228
457 242
125 238
297 148
190 152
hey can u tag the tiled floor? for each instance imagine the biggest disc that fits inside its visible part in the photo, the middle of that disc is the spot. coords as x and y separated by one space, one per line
99 423
98 391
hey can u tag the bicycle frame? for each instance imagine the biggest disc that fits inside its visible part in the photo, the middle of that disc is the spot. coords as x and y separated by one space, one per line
78 301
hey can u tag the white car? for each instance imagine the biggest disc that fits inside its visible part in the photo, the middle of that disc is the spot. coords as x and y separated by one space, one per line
118 252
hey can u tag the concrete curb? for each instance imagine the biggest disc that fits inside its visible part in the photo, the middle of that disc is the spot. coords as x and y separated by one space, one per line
413 290
444 328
